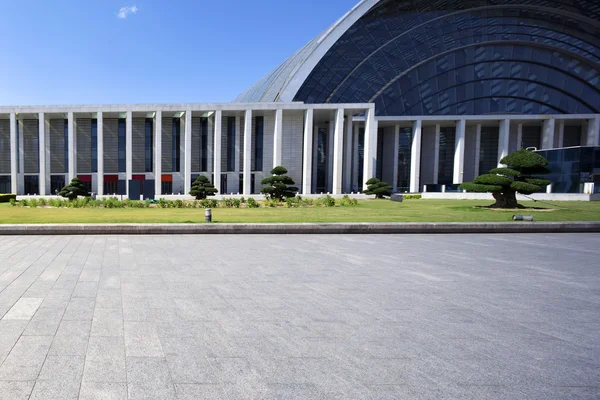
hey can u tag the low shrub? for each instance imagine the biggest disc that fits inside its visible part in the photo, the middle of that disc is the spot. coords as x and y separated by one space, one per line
412 196
326 201
6 197
251 203
346 201
236 203
13 202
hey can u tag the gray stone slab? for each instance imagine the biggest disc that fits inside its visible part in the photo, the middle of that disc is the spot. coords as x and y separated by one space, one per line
71 338
24 308
25 359
103 391
302 316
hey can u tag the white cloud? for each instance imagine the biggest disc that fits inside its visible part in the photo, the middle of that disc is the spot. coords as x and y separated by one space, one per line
125 11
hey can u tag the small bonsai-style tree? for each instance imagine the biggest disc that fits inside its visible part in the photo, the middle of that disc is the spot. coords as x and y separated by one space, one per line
379 188
278 185
202 188
74 189
518 176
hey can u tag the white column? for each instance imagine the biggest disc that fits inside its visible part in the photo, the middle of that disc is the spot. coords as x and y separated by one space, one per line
100 136
561 133
503 135
548 134
395 164
247 170
157 153
459 152
477 148
187 146
128 150
21 176
217 152
347 175
519 136
593 132
277 138
355 182
415 157
71 146
436 154
307 152
13 154
338 148
48 154
330 137
370 147
42 152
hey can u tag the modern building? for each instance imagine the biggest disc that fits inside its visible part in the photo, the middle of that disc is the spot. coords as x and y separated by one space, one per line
419 92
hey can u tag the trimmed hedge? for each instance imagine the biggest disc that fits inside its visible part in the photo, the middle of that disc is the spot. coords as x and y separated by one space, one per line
5 198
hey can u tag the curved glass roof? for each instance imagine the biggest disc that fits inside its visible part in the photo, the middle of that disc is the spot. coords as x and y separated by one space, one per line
454 57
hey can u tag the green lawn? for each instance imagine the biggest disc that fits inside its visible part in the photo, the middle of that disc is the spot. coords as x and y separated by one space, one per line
366 211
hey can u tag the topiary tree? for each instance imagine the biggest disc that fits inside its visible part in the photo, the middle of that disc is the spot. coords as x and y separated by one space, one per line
201 188
277 185
379 188
74 189
518 176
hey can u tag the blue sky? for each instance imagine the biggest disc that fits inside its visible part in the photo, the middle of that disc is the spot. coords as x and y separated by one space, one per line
82 52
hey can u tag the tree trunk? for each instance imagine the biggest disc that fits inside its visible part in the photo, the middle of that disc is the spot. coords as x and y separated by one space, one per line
506 199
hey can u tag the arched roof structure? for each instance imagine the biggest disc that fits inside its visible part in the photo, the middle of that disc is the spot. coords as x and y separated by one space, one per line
449 57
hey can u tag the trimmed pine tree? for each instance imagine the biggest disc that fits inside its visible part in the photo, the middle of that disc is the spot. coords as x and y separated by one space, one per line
202 188
378 188
278 185
74 189
518 176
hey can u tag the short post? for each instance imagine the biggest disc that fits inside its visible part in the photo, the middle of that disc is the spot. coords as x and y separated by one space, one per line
207 215
522 217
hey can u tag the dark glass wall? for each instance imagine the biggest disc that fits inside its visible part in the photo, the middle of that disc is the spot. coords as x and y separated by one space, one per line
231 144
571 168
5 186
322 165
446 155
176 151
488 149
94 145
531 137
149 144
122 145
404 154
204 144
461 57
257 142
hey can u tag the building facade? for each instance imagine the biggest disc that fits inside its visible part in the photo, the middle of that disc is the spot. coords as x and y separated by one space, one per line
419 93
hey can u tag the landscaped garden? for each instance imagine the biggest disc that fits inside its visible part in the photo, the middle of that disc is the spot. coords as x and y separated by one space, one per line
380 210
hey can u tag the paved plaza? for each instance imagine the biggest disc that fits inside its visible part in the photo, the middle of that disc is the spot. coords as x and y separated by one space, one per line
300 317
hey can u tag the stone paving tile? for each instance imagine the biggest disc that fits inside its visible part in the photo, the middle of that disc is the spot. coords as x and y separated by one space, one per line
306 317
25 359
24 308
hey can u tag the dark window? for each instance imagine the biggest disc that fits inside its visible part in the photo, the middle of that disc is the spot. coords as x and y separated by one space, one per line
379 165
166 187
94 145
111 187
176 155
224 183
258 144
19 148
66 145
149 144
57 182
572 136
361 158
32 185
5 184
404 154
446 156
252 183
241 184
488 149
204 144
322 143
231 144
531 136
122 145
